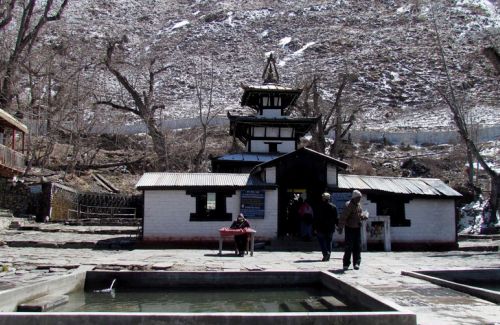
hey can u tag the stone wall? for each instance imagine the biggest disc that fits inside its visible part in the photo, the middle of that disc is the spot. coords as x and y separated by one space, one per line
14 197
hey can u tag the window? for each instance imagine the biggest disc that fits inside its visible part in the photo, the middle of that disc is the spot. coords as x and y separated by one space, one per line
273 147
210 205
266 101
393 206
277 101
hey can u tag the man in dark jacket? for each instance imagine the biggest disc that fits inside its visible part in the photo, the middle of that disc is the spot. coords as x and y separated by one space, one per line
325 220
351 219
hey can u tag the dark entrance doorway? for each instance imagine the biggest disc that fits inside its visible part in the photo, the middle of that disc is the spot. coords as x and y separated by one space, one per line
298 176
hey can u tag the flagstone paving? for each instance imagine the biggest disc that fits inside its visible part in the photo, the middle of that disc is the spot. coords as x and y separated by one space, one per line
31 261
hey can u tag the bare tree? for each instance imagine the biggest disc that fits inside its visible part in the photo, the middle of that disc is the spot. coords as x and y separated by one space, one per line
6 9
456 104
32 19
204 87
145 105
334 115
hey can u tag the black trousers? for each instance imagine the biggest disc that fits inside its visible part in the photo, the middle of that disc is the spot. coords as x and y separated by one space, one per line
352 246
241 243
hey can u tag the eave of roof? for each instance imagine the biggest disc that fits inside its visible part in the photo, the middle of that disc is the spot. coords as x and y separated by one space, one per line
7 119
334 161
248 156
155 181
272 120
397 185
271 87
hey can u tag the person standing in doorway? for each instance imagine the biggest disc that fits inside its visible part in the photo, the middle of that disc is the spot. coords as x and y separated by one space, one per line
306 216
351 219
325 220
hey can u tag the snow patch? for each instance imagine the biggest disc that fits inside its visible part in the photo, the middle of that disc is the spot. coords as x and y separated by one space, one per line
404 9
299 52
284 41
180 24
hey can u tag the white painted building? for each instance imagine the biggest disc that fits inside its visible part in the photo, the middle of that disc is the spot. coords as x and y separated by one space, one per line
190 207
180 207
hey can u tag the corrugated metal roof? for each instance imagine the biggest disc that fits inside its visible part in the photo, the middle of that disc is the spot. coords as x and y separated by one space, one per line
182 180
254 157
399 185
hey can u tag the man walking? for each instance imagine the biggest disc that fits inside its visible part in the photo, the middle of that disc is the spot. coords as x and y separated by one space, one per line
351 219
325 220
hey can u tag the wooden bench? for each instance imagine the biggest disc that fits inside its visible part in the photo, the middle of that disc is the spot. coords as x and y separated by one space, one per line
228 232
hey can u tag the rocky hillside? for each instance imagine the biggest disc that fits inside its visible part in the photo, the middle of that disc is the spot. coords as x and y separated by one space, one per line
391 45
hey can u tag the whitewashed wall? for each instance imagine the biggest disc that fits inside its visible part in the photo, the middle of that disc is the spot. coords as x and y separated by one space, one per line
432 221
166 217
270 174
331 175
271 112
262 145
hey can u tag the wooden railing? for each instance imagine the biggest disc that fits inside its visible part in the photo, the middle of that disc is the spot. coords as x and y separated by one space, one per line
12 159
86 211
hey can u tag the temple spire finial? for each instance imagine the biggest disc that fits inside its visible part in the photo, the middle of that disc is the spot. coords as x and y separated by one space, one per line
270 74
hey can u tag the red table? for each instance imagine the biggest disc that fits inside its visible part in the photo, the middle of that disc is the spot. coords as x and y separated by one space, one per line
228 232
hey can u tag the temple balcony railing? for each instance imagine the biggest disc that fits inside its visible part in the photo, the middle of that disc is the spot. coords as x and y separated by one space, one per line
11 162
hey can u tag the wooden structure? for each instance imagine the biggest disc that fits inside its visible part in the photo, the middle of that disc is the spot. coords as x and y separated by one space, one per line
226 232
12 139
271 132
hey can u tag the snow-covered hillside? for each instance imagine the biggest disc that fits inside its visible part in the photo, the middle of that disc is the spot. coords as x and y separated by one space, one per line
391 45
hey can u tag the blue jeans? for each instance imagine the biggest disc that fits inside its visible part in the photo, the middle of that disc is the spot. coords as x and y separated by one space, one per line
325 242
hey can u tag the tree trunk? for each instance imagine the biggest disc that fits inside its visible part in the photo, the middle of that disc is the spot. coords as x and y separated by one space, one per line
159 145
494 199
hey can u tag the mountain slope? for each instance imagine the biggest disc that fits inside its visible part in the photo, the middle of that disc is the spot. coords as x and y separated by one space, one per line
390 45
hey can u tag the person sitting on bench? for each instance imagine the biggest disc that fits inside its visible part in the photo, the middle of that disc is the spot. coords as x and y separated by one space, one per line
240 240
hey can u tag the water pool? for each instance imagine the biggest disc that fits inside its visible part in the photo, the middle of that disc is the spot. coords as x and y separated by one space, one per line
263 297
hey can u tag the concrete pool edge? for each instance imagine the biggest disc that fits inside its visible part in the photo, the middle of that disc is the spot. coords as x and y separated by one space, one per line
485 294
392 313
11 298
369 318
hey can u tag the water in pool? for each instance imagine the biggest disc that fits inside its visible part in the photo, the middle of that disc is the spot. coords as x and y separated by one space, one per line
300 299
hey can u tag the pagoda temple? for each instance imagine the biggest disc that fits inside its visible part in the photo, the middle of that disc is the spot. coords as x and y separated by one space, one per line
269 133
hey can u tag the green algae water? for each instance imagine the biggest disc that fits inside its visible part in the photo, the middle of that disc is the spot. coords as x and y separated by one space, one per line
301 299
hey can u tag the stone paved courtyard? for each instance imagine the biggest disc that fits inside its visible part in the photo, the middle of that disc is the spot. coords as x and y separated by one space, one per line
30 256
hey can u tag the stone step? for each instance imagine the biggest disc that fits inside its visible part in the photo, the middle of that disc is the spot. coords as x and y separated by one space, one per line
292 307
5 213
44 303
333 303
313 304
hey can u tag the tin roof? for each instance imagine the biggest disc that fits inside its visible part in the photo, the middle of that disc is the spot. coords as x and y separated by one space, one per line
249 156
302 151
399 185
271 87
189 180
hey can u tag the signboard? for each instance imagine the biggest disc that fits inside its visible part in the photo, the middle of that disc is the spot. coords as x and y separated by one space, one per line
252 204
340 199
